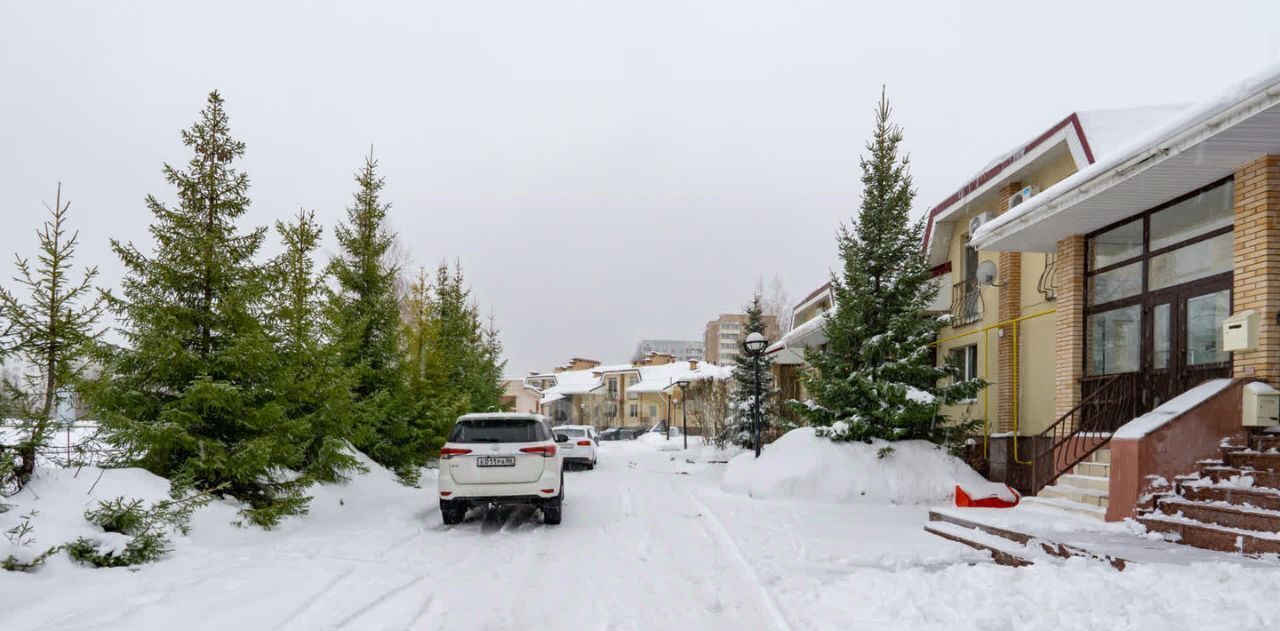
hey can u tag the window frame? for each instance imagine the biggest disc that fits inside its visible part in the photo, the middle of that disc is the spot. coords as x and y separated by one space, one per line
1144 257
1145 296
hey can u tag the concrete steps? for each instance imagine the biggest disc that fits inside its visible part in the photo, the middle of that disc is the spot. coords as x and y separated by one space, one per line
1086 490
1259 497
1232 505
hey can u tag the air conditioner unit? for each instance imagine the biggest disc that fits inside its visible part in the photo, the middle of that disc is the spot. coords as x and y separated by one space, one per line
977 222
1023 195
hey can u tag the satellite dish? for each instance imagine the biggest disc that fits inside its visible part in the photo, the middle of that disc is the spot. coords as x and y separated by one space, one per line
986 274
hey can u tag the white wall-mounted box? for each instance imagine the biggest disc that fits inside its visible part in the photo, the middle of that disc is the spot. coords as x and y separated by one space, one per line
1259 405
1240 331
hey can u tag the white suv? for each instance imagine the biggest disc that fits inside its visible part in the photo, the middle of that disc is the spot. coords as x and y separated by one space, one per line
495 459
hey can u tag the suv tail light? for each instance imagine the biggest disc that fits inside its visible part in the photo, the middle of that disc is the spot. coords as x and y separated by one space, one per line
547 451
449 452
584 443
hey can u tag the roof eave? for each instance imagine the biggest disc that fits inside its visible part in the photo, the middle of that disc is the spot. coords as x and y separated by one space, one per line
1027 232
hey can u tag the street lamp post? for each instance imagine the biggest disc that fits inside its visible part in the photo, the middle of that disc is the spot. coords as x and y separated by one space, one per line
667 422
755 344
684 411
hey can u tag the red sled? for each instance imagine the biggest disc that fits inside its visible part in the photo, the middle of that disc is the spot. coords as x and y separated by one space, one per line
997 496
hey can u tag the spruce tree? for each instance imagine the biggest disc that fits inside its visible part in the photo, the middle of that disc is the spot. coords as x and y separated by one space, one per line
364 315
435 403
470 351
742 402
314 389
192 394
875 377
53 328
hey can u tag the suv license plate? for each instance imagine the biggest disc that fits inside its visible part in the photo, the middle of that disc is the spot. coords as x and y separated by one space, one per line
496 461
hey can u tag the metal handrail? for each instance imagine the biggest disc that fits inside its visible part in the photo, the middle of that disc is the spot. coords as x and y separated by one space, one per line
966 302
1063 445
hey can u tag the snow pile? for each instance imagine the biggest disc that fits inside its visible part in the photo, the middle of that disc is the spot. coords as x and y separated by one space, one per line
803 465
1076 594
54 503
658 440
700 450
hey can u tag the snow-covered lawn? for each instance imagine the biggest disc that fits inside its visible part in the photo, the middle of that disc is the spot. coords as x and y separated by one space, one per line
649 541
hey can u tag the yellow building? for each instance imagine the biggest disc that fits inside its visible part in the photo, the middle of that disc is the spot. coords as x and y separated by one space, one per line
1168 288
999 306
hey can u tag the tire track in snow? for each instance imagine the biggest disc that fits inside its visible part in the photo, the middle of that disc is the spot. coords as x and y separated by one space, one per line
718 532
310 602
373 604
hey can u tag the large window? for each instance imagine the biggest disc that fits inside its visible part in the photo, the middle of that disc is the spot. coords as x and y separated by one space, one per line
1114 340
1171 264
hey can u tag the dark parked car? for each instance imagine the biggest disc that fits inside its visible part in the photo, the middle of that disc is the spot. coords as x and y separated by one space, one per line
621 433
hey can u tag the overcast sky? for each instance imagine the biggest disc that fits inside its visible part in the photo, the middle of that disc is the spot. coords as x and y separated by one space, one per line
606 171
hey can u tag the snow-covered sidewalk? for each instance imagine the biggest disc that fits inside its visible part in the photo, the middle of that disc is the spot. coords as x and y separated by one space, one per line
649 541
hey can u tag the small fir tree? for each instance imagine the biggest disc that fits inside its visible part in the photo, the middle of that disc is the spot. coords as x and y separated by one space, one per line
364 316
314 389
53 328
875 377
742 408
193 394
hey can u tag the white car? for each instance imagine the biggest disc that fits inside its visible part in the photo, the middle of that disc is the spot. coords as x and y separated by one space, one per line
506 458
580 449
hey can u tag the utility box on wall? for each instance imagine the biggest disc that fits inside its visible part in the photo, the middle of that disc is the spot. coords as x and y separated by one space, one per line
1240 331
1260 406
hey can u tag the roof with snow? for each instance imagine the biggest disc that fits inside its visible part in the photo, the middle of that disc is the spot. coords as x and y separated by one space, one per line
1086 135
790 348
1198 146
664 377
652 378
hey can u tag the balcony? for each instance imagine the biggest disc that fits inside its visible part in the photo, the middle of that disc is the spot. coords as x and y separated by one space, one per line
966 302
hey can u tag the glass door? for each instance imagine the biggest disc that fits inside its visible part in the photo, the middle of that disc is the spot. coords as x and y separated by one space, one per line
1182 340
1200 335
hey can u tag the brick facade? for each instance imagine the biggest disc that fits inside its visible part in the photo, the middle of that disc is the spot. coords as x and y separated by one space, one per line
1256 281
1069 344
1010 307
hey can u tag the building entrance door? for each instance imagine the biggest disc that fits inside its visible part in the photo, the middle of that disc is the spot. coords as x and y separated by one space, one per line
1182 341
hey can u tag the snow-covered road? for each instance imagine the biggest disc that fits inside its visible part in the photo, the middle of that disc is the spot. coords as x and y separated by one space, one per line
649 541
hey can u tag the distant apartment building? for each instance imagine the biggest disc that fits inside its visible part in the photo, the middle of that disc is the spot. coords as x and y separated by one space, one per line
682 350
722 336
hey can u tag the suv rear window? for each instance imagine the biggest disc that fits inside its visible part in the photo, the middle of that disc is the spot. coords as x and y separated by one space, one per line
498 430
571 433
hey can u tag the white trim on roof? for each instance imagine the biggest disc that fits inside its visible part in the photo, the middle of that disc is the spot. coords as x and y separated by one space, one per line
1203 144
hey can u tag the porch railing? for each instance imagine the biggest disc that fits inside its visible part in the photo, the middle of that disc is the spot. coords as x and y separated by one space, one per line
1084 429
966 302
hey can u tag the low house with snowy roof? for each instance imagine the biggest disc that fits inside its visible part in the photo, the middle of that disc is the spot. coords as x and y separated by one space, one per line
1167 256
788 350
641 393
